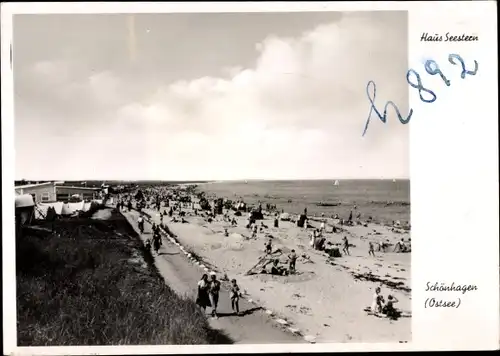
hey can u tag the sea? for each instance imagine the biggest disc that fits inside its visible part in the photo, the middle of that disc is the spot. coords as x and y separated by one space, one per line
384 200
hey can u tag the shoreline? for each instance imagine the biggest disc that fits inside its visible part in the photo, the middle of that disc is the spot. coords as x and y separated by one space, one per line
379 210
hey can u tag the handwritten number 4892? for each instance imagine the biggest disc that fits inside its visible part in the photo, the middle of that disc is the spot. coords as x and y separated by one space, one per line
432 68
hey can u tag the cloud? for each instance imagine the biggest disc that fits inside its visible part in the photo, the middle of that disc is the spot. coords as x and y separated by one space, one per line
298 112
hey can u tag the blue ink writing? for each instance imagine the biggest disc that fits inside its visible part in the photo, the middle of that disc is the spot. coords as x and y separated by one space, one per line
420 87
432 68
383 118
465 72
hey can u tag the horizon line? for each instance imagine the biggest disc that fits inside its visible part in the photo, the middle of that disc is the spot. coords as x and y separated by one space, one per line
214 180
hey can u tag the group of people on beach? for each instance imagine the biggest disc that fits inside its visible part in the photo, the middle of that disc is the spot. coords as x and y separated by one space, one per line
209 287
208 294
382 306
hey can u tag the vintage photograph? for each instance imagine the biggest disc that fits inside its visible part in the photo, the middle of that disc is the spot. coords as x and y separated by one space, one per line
205 178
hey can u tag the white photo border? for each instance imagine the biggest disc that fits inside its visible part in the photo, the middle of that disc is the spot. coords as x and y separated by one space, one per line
453 163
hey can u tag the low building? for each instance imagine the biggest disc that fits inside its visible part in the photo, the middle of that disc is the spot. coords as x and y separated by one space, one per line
41 192
50 192
65 193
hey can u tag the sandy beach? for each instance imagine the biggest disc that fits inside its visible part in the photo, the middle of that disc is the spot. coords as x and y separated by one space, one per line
326 298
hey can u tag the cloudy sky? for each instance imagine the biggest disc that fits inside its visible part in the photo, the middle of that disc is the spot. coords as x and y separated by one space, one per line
209 96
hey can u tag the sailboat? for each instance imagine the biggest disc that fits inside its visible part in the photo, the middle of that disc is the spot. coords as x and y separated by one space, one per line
336 182
394 181
246 182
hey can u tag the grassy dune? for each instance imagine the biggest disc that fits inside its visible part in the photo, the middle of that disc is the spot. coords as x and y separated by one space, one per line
95 285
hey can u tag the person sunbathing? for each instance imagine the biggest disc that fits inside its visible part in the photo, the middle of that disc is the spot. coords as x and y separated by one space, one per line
399 246
389 310
277 270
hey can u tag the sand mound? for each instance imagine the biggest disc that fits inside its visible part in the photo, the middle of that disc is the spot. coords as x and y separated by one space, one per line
292 278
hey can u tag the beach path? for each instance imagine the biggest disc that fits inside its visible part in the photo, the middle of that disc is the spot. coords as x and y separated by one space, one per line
254 327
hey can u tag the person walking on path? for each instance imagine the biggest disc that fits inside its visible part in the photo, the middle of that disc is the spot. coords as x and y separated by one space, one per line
202 299
156 241
140 223
214 293
148 244
156 231
235 296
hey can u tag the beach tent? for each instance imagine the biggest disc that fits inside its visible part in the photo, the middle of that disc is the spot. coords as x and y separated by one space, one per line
285 217
24 209
74 207
86 206
43 207
66 210
51 214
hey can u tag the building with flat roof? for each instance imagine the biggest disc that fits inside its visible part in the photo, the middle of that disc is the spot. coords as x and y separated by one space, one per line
41 192
64 193
49 192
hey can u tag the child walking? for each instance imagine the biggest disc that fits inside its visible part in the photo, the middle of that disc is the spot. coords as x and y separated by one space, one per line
235 296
